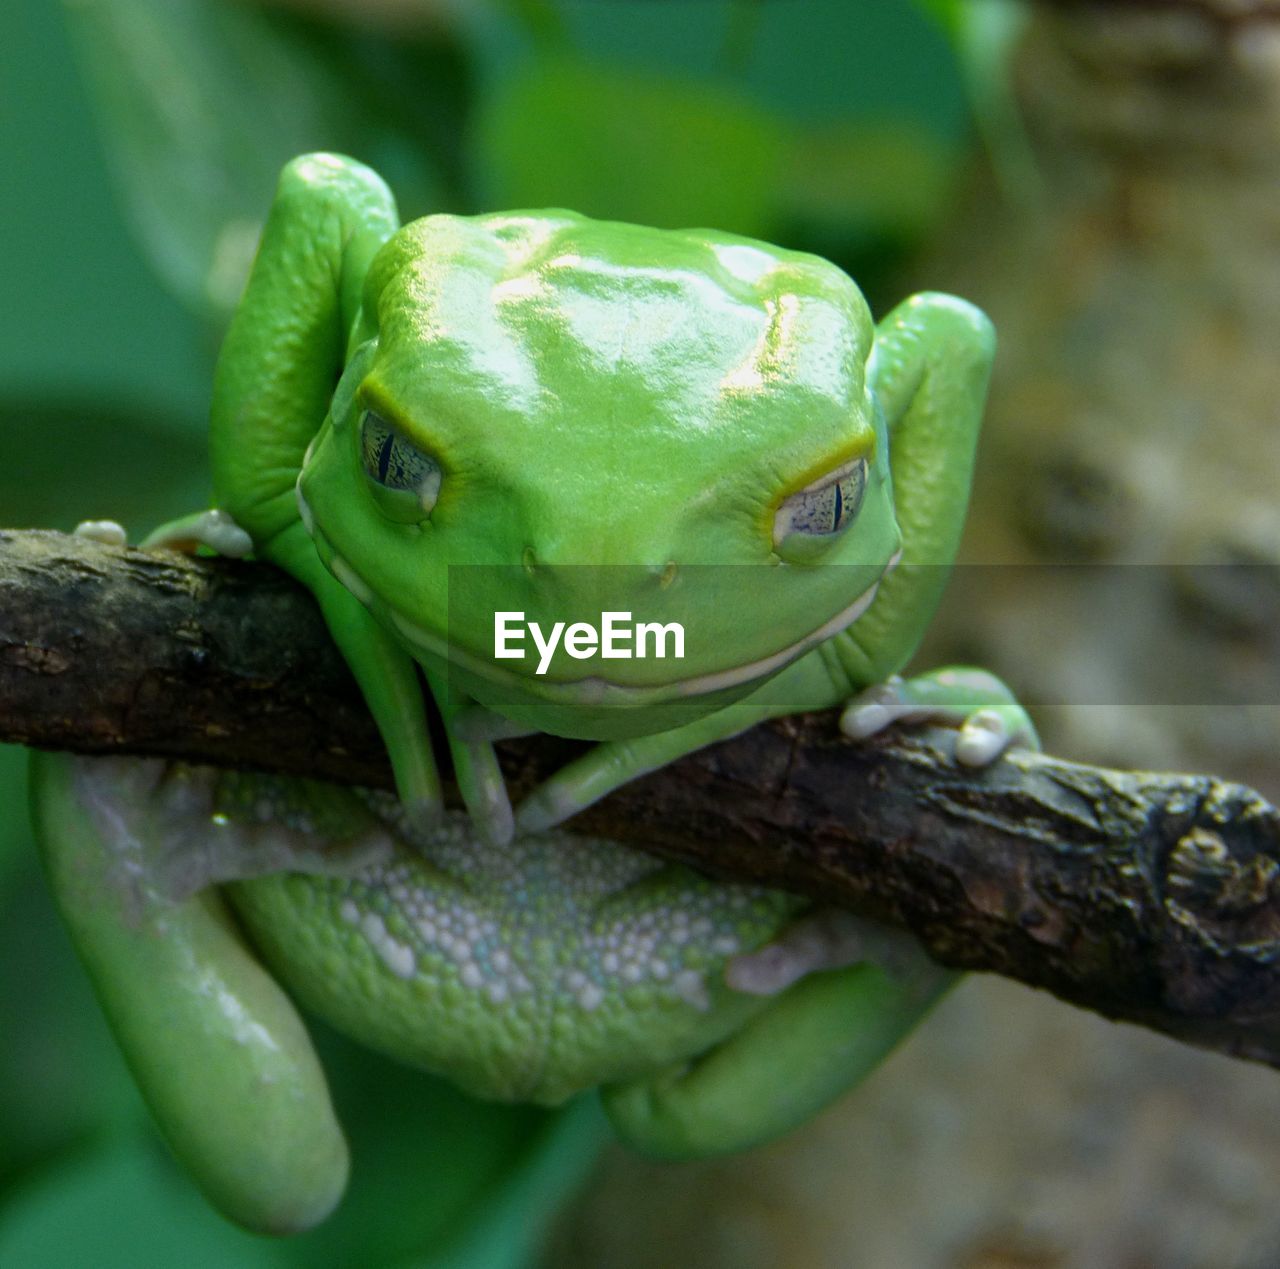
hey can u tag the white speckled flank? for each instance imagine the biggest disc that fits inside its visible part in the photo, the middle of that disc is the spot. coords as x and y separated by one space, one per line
526 972
581 920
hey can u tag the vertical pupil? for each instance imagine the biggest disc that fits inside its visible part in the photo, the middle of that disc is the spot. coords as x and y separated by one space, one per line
384 456
839 507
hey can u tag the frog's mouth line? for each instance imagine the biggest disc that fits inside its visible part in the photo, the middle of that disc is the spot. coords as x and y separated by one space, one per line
597 691
592 690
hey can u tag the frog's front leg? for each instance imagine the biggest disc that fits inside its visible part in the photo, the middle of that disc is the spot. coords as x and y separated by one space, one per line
385 673
821 1035
929 369
806 684
283 353
988 717
481 784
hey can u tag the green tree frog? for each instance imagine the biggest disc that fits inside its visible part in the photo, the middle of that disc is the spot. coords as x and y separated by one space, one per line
541 414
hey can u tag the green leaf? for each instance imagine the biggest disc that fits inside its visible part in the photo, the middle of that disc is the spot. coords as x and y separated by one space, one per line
629 145
949 13
201 105
870 179
62 1079
984 33
15 833
122 1205
438 1178
60 464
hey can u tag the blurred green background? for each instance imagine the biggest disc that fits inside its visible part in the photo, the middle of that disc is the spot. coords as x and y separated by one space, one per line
140 147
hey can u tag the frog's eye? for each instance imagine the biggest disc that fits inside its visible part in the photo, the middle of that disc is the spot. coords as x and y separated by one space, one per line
405 480
824 507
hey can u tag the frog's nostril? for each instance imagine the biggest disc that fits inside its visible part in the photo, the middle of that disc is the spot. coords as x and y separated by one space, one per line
529 560
667 574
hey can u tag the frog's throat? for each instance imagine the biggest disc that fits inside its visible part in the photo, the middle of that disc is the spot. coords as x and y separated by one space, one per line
593 690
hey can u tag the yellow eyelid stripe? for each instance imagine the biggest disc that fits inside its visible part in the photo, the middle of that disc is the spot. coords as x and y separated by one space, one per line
831 477
816 475
828 468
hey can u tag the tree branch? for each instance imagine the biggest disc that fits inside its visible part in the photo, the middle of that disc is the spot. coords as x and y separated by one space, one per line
1144 897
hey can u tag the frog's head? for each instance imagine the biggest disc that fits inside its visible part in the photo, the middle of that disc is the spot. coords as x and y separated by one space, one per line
560 417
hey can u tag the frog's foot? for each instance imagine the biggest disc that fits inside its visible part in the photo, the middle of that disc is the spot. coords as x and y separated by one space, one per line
214 529
988 718
831 938
108 532
822 1034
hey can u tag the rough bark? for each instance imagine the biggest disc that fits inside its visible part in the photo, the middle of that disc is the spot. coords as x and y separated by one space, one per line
1145 897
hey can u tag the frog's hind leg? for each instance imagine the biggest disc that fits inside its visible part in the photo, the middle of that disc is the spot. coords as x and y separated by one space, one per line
823 1033
219 1052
